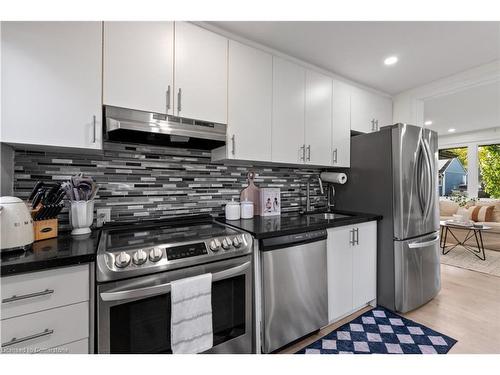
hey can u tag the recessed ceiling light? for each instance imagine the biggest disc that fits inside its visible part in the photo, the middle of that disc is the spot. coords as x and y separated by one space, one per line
391 60
428 122
452 130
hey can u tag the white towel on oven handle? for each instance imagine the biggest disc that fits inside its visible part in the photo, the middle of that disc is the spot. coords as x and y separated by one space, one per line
191 316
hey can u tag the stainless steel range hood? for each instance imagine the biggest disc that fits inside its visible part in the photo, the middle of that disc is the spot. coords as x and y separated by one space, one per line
127 125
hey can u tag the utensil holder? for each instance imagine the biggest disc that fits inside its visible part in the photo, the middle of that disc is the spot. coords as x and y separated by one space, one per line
81 216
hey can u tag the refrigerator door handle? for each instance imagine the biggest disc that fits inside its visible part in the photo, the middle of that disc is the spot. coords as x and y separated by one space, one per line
416 245
419 178
429 179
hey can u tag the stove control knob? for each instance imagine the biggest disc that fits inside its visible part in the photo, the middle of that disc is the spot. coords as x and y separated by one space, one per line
214 245
122 260
140 257
155 254
237 242
226 243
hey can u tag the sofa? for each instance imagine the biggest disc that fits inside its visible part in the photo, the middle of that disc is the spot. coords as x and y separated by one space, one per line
491 238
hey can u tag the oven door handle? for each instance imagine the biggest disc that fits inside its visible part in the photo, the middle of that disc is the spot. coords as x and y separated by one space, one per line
165 288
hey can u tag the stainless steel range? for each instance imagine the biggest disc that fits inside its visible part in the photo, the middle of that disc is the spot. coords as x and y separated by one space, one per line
136 264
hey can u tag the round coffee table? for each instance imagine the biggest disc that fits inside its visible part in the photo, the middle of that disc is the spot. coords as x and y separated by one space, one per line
472 233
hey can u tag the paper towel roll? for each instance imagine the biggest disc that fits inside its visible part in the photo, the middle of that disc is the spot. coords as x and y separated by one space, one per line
336 178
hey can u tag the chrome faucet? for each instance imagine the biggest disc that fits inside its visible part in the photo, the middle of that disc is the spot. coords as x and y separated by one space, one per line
308 192
330 195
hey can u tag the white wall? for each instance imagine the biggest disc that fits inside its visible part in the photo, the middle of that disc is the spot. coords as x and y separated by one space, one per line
408 106
7 169
485 136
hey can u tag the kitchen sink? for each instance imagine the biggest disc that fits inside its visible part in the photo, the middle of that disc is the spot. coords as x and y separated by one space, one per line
328 216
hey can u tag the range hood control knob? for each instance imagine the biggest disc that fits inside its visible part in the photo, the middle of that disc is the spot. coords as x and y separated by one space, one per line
214 245
155 254
122 260
226 243
140 257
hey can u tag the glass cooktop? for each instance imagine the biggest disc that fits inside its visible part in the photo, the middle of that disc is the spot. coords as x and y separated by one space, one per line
124 238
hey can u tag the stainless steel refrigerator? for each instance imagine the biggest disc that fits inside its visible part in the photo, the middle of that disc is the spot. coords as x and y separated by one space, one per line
394 173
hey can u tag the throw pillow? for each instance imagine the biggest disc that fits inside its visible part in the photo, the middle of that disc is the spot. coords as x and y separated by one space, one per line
481 213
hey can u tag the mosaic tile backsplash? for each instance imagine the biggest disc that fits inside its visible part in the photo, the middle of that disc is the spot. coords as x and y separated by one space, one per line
141 182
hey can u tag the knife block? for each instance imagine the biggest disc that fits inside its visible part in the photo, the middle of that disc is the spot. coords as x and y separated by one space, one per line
45 229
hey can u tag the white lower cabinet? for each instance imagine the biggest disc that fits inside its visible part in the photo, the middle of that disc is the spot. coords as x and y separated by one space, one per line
42 330
352 268
45 310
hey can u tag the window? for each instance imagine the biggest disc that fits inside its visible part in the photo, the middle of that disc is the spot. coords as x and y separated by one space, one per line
489 171
452 171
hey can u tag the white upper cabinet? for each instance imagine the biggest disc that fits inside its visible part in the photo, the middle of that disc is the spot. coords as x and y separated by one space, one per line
51 83
200 74
341 140
288 144
250 90
383 110
318 119
369 111
139 65
362 114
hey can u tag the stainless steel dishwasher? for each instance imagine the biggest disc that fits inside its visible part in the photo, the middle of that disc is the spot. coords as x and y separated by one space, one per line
294 287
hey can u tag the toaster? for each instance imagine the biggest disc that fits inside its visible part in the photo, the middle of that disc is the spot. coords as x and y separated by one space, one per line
16 224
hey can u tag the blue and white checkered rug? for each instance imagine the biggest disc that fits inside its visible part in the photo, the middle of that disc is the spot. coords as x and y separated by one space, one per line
380 331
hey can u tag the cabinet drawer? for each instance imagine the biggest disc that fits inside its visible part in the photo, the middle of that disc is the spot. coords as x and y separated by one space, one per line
32 292
76 347
45 329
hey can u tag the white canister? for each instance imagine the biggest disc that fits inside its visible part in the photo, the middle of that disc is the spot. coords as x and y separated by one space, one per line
246 209
232 210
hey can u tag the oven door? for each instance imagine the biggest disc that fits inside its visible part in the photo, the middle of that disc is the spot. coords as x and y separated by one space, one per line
134 315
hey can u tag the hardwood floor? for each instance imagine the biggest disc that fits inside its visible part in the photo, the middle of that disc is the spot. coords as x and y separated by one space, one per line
467 309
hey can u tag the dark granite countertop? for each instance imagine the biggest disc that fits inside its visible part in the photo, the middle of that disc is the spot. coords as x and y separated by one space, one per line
271 226
64 250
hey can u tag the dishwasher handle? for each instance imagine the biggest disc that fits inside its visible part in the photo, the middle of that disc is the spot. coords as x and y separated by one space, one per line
280 242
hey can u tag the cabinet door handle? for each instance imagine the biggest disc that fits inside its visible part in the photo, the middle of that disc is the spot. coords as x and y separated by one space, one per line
335 156
351 237
376 125
357 236
14 340
168 98
179 97
233 144
94 128
373 124
302 150
308 152
30 295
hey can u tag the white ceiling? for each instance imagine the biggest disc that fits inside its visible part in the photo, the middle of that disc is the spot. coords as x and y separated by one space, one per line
473 109
427 51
